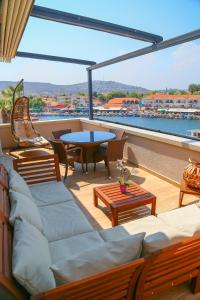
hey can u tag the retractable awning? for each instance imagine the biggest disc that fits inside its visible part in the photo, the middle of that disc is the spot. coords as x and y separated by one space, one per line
14 15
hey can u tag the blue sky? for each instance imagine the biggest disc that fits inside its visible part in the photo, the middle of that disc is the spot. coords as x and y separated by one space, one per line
174 67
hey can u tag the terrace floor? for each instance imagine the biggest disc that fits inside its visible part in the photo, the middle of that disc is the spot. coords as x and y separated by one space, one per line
81 185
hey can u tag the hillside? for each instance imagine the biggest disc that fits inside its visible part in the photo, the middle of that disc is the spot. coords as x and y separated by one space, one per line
42 88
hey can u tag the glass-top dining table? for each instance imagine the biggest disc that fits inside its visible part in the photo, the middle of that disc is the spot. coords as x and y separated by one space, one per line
88 141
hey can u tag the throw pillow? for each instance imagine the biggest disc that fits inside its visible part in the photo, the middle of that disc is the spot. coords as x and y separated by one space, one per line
31 258
18 184
23 206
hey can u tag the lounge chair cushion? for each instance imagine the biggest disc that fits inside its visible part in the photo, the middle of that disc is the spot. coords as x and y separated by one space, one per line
186 219
98 259
23 206
65 248
50 193
158 234
31 258
63 220
18 184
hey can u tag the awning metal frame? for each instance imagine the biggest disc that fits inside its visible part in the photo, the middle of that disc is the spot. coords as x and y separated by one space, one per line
77 20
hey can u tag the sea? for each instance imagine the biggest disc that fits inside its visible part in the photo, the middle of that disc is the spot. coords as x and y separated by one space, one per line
174 126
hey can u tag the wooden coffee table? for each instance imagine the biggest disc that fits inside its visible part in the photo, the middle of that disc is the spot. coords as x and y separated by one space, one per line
112 197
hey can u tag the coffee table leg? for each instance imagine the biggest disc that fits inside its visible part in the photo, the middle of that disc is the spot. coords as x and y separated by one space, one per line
95 199
114 217
181 198
153 207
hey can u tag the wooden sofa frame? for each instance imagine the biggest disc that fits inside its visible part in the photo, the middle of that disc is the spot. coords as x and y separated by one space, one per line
139 279
117 283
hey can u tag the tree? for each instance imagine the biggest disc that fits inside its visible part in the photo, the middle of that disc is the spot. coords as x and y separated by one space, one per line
6 101
37 103
193 88
116 94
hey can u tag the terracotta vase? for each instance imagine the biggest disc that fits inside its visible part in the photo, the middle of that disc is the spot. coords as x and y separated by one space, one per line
191 174
123 188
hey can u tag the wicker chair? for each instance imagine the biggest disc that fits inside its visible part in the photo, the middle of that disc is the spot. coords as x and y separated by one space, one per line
23 132
57 134
112 152
66 157
119 135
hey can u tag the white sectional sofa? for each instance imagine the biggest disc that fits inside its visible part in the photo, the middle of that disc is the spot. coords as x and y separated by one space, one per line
69 239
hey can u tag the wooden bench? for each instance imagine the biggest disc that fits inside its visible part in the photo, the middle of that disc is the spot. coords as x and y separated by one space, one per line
135 280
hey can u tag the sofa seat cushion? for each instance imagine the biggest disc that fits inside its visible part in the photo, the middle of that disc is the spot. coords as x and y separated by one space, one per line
98 259
186 219
23 206
158 234
65 248
18 184
50 193
31 258
63 220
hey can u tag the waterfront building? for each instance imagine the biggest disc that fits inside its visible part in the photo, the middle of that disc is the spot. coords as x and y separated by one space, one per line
132 103
171 101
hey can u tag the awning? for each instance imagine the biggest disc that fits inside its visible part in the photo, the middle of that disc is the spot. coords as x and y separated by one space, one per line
14 15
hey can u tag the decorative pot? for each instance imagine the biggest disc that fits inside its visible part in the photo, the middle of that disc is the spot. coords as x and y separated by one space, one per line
123 188
191 173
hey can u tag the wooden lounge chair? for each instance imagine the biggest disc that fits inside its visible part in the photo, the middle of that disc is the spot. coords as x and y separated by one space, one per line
23 132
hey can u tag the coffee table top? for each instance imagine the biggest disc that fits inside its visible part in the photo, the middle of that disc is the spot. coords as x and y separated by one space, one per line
135 195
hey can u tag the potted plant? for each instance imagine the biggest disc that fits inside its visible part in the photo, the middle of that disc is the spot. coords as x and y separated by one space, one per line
123 179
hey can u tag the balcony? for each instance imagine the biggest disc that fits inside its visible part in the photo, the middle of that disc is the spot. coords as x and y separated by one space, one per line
158 159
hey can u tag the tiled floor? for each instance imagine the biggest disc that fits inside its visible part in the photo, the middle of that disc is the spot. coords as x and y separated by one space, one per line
167 194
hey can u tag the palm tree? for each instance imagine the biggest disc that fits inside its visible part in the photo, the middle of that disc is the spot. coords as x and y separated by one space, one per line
6 99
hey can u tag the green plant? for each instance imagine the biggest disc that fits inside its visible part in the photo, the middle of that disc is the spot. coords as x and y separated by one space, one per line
125 174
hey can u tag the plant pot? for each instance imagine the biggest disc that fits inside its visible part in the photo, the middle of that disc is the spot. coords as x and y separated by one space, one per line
123 188
191 174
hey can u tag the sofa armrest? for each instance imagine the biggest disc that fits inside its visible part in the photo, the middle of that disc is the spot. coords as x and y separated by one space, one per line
38 169
120 280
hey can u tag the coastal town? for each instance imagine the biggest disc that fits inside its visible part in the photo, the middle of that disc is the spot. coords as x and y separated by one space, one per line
159 105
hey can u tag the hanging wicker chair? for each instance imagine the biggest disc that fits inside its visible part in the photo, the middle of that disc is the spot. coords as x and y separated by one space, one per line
22 128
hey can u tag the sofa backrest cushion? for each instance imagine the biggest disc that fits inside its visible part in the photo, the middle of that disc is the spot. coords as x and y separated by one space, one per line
23 206
31 258
18 184
186 219
158 234
98 259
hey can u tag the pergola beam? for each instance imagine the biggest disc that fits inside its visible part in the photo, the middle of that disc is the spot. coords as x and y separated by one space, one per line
77 20
193 35
55 58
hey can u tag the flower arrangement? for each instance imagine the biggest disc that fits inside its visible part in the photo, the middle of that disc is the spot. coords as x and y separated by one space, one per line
125 174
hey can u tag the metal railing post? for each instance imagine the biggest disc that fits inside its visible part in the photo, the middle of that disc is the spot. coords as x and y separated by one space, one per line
90 95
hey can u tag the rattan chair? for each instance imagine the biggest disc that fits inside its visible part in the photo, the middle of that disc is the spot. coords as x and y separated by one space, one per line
57 134
23 132
66 157
112 152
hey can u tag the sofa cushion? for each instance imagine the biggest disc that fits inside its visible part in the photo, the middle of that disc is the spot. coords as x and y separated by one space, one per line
50 193
186 219
23 206
158 234
63 220
31 258
18 184
65 248
7 161
98 259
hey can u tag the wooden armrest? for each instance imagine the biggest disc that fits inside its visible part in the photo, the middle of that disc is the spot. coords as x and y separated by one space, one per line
38 169
106 285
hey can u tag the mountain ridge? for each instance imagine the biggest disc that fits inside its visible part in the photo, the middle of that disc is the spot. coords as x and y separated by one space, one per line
50 89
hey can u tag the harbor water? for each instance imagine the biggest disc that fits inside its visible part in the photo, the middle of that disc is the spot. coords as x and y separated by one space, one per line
175 126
